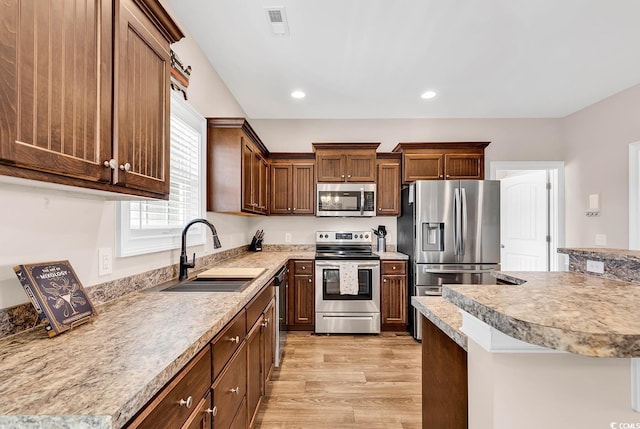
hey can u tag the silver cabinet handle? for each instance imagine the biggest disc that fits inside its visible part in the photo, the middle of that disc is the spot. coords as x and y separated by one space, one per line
304 268
213 411
394 267
309 280
265 323
125 167
110 164
235 391
342 176
186 403
385 280
235 339
289 208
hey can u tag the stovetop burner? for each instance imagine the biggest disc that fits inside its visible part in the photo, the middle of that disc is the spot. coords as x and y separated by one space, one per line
344 245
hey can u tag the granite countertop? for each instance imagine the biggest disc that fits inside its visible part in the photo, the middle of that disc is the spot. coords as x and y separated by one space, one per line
100 374
443 314
606 253
573 312
392 256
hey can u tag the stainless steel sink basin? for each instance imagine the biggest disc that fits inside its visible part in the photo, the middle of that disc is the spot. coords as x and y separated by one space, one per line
209 285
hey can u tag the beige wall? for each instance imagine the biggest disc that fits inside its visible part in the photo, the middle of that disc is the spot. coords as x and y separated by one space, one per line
39 225
597 141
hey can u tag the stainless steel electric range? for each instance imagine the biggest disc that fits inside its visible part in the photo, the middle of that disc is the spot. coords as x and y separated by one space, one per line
347 274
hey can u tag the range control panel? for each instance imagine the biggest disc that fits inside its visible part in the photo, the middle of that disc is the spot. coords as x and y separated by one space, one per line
356 237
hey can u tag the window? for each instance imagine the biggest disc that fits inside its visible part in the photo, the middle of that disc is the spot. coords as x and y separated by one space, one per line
152 226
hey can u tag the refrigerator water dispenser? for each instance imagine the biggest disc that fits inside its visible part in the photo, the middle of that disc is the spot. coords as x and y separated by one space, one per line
433 236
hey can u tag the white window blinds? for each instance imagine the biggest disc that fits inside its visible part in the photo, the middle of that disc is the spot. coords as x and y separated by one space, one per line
152 225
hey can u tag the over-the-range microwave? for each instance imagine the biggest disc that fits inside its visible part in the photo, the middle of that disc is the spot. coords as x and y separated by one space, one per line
346 199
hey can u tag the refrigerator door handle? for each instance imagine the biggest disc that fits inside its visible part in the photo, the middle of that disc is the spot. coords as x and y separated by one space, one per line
456 220
463 210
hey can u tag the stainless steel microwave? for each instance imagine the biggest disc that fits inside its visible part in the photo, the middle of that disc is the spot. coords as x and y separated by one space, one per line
346 199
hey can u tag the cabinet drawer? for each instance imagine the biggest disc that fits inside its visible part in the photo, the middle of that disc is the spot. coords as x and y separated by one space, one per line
201 418
230 388
259 303
303 267
228 341
394 267
165 410
240 421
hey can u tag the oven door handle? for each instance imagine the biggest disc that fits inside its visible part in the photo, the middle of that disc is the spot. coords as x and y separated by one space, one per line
327 265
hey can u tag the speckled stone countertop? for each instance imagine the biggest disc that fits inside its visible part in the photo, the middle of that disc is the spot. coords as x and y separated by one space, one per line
619 254
100 374
392 256
573 312
443 314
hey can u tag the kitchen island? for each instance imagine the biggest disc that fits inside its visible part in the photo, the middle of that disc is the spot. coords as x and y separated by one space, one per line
101 374
549 350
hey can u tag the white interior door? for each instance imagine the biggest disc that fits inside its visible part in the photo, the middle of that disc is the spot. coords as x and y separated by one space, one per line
524 228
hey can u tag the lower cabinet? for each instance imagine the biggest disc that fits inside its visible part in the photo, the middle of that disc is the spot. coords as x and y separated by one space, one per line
179 400
394 295
301 297
223 385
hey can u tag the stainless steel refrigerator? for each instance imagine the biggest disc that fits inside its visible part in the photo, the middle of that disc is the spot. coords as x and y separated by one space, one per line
451 231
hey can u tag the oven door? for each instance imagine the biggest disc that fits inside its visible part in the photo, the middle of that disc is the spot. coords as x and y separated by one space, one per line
330 297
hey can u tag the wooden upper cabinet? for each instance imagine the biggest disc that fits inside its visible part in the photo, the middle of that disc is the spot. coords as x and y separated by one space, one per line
55 87
388 181
345 162
143 102
436 161
84 89
292 183
237 168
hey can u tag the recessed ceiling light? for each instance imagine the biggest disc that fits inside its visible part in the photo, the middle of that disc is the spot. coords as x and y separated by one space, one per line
428 94
298 94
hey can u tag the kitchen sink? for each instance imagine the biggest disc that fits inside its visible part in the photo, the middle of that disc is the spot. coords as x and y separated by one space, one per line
209 285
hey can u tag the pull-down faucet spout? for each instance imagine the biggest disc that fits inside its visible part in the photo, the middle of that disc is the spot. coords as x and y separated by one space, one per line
184 261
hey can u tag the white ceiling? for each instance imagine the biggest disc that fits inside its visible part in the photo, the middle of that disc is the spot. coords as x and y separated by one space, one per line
373 58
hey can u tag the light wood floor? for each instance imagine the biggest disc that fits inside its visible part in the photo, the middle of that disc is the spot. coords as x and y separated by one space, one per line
345 381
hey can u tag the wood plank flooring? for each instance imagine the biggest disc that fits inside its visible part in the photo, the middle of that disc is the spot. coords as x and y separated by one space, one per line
345 381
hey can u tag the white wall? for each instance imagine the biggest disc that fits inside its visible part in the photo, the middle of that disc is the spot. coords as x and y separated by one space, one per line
597 142
39 225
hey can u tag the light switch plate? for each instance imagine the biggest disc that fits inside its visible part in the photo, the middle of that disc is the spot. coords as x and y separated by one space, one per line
595 267
601 239
287 237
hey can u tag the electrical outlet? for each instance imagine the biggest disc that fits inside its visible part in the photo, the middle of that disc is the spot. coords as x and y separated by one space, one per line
601 239
105 261
287 237
595 267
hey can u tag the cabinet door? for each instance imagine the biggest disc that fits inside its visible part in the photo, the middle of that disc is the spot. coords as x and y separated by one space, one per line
55 87
388 181
304 308
142 101
248 203
201 418
303 187
254 370
281 188
331 166
422 166
394 300
464 166
269 351
361 167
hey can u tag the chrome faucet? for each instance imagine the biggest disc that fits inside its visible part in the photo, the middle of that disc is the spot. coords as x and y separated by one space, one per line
184 261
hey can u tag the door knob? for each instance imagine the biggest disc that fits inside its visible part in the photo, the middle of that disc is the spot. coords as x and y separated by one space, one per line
125 167
110 164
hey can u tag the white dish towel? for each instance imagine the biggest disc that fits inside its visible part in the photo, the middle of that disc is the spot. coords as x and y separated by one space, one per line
349 278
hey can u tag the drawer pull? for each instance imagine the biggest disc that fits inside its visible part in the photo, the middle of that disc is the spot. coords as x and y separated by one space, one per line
235 339
304 268
394 267
186 403
213 411
235 391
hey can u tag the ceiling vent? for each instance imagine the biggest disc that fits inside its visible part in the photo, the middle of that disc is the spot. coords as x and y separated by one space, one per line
278 21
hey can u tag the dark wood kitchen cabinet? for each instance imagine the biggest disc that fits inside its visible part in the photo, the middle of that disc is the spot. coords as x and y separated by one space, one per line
84 93
345 162
388 182
260 350
393 295
301 297
292 184
180 400
237 168
442 161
